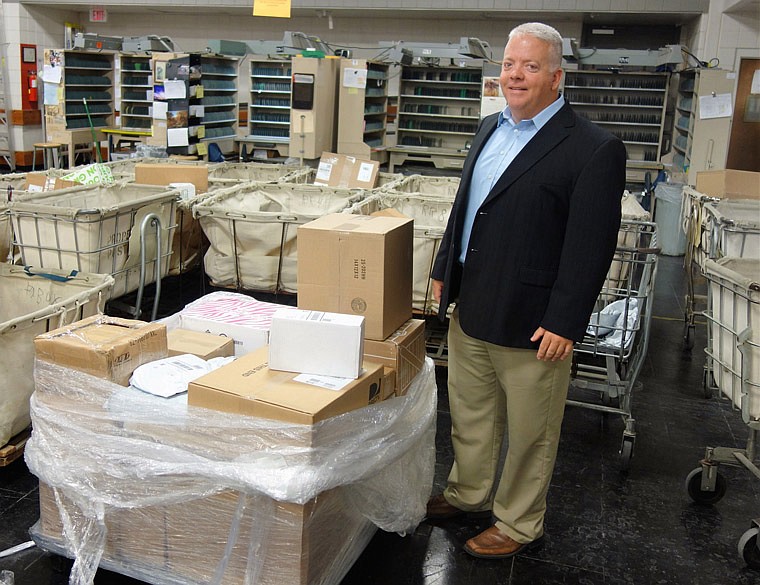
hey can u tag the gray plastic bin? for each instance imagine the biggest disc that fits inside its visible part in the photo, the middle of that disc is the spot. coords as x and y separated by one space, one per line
667 216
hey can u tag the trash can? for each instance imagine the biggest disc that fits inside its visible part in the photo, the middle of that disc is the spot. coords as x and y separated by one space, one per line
667 216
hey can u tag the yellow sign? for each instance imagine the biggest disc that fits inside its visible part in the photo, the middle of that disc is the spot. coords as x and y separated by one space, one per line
202 148
275 8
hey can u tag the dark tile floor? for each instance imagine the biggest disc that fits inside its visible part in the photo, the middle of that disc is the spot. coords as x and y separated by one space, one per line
603 527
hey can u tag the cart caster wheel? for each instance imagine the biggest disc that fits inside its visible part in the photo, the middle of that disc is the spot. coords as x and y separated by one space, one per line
608 400
626 453
707 384
748 549
688 336
700 496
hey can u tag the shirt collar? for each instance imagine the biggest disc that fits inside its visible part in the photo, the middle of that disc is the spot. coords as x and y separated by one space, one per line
539 119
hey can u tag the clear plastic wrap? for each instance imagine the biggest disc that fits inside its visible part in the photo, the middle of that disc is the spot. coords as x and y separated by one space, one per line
172 494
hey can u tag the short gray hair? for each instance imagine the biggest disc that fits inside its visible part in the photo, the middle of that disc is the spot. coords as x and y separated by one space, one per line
545 33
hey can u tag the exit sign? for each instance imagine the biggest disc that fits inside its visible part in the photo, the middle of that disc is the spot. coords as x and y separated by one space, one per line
98 14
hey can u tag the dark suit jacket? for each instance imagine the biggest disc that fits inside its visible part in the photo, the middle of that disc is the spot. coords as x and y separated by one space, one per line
543 239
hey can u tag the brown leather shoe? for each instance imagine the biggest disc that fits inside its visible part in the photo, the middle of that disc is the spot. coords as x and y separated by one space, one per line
439 509
494 544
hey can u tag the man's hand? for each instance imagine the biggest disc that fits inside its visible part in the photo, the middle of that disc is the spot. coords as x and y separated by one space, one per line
553 347
437 290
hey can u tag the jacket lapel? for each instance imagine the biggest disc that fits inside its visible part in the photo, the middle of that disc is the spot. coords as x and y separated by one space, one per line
553 132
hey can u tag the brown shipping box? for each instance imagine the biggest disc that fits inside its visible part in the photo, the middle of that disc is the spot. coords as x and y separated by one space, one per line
198 343
247 386
404 351
360 265
187 541
165 173
41 182
729 184
340 170
106 347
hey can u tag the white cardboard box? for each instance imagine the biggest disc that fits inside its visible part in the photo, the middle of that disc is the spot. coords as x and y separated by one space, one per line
316 342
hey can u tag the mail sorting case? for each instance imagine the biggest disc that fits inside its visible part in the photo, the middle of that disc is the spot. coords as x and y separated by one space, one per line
31 304
428 200
97 229
252 229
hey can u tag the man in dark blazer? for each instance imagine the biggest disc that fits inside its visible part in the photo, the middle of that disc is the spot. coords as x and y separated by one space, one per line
528 244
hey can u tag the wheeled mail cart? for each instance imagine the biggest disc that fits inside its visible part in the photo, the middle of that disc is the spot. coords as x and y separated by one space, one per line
733 360
607 362
694 223
33 302
251 229
120 229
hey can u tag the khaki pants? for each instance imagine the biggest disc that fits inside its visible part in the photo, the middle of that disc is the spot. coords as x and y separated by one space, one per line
492 387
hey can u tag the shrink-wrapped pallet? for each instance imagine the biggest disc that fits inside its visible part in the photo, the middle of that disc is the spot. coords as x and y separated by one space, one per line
170 493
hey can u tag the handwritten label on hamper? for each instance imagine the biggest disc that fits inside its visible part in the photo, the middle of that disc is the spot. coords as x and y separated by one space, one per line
326 382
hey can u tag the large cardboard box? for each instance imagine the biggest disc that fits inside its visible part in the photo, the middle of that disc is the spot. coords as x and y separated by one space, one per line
317 342
188 541
404 351
166 173
248 386
203 345
729 184
360 265
106 347
340 170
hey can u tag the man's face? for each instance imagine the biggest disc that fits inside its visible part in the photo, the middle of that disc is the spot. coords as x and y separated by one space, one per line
528 80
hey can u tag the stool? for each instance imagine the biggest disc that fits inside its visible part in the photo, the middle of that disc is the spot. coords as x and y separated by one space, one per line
47 147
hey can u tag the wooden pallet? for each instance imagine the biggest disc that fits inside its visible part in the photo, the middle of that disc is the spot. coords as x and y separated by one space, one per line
15 448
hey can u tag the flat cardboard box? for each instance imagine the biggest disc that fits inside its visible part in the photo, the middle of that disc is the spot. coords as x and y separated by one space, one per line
166 173
729 184
316 342
106 347
248 386
404 351
36 182
340 170
201 344
359 265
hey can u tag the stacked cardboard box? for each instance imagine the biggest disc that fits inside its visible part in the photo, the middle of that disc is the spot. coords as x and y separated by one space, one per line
106 347
359 265
248 386
188 541
362 265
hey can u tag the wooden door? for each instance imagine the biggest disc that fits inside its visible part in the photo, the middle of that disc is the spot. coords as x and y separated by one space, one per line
744 145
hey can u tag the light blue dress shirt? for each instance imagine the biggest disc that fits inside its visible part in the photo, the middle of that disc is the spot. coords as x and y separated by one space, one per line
506 142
